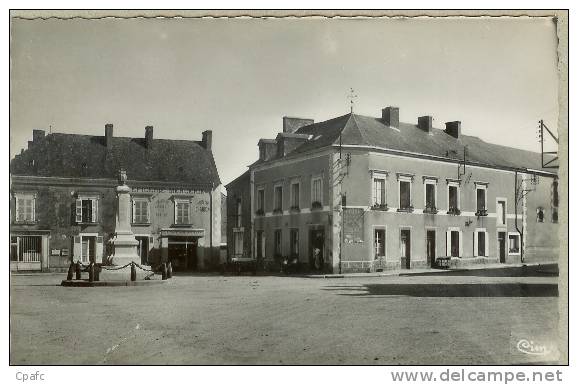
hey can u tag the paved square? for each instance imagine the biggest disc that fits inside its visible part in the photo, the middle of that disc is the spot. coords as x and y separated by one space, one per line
438 319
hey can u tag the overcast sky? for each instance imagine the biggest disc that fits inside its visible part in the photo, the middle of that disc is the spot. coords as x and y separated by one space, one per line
240 77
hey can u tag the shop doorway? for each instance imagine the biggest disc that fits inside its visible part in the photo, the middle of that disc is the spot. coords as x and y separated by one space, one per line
316 247
182 253
502 246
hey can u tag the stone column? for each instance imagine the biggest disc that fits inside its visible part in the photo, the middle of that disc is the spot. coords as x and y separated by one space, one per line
124 243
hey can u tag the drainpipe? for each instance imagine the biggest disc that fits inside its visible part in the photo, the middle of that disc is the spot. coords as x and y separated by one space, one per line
520 232
211 220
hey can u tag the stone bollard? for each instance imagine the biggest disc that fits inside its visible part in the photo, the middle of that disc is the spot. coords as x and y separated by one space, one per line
132 272
91 272
78 276
70 272
164 271
169 270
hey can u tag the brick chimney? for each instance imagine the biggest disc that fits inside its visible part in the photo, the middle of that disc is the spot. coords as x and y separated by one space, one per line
291 125
454 128
425 123
208 139
149 137
108 135
390 116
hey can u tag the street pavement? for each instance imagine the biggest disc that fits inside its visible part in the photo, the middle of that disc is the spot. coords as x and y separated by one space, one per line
468 317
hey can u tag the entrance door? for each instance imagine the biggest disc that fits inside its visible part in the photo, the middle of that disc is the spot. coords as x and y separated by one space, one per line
405 248
455 244
143 249
431 247
88 249
502 246
183 253
316 247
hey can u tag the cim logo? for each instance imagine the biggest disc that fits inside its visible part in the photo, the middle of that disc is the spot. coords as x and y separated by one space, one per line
530 347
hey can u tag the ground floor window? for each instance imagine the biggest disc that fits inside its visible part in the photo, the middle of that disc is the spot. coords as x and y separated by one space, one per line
513 243
379 243
238 243
453 243
480 243
26 248
277 249
294 239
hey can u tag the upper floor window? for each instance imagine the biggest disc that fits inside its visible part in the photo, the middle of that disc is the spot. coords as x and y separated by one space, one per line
555 201
295 195
238 211
317 191
404 184
453 198
278 198
86 209
140 210
261 201
481 200
182 212
379 199
501 212
540 214
430 196
25 207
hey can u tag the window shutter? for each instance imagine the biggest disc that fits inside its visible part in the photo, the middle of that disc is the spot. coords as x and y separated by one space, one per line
487 244
78 210
133 211
476 235
33 203
18 202
461 254
77 249
94 210
151 242
148 211
175 212
99 249
448 244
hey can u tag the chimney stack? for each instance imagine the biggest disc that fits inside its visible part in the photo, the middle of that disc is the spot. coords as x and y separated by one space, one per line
425 123
454 128
108 135
390 116
208 139
37 135
149 137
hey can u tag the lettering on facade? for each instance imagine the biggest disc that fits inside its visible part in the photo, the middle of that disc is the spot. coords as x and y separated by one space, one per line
202 206
353 225
161 207
171 191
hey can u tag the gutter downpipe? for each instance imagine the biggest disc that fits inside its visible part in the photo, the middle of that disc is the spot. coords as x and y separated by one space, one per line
520 232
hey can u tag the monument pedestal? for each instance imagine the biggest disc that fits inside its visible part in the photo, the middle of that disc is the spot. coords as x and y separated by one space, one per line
124 242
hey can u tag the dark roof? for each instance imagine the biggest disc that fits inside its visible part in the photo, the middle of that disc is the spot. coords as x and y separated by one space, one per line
369 131
242 179
85 156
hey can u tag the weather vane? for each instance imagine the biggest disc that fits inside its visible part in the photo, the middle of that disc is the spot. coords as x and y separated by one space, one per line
351 98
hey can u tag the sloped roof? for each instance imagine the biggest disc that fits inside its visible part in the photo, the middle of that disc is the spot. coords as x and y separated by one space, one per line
85 156
369 131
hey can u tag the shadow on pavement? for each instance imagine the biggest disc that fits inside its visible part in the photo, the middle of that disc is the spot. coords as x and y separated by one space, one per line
547 270
450 290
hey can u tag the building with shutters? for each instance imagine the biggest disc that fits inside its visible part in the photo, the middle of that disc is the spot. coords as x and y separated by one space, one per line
358 193
63 200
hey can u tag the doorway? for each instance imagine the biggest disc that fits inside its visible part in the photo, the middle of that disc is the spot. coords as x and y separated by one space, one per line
405 248
183 253
88 249
502 246
143 249
316 247
430 246
454 244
